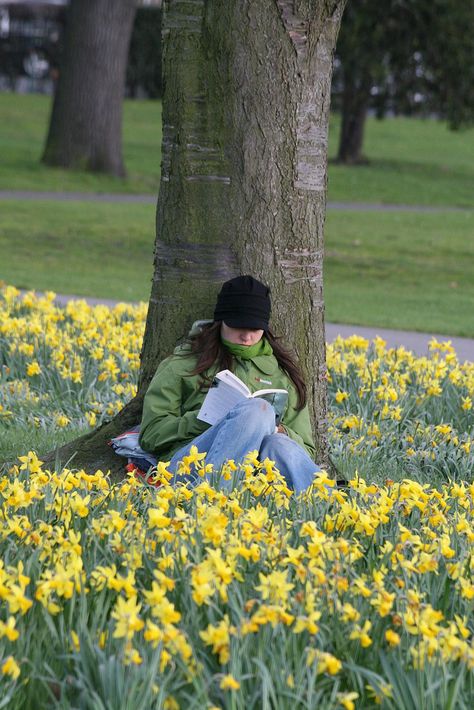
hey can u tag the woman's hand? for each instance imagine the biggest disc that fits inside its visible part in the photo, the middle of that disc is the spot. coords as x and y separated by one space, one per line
280 429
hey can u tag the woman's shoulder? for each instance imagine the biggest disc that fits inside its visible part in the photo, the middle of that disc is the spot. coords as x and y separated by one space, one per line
181 362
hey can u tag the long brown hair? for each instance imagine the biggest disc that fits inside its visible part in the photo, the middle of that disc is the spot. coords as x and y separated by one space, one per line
210 350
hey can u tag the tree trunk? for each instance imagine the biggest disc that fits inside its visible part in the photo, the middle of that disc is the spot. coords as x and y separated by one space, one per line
85 130
243 183
355 102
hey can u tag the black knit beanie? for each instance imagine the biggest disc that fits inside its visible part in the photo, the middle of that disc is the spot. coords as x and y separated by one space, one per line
243 302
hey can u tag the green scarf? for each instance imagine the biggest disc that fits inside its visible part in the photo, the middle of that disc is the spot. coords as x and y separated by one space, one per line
247 352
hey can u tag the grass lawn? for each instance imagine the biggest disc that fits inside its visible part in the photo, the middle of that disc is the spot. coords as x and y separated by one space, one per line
411 161
24 121
401 270
87 249
18 439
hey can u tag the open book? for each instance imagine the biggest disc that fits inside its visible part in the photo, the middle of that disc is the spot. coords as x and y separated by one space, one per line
227 390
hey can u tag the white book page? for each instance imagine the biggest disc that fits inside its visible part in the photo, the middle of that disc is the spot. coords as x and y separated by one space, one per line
233 381
220 399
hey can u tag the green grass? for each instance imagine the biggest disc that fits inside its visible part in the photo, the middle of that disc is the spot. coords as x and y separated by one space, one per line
395 269
17 440
401 270
87 249
24 121
412 161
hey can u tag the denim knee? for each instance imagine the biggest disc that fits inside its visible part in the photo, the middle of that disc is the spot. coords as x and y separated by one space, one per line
279 447
292 460
256 415
276 446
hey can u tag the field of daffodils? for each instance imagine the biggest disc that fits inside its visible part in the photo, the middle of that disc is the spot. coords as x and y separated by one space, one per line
132 596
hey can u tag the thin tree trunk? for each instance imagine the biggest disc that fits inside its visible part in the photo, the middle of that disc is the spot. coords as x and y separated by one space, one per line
355 103
244 165
85 130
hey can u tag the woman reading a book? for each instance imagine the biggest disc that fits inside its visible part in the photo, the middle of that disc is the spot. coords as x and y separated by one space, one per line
238 340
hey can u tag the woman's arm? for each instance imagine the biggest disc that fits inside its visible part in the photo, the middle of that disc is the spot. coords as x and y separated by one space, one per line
164 426
297 424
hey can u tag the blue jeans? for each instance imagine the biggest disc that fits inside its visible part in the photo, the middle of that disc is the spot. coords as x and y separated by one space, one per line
250 426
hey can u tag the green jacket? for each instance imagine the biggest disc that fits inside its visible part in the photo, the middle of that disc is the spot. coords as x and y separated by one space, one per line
174 398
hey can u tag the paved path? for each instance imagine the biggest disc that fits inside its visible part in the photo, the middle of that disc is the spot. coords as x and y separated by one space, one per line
417 342
151 199
76 196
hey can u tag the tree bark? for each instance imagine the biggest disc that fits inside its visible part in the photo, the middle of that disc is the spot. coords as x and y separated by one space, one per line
244 172
85 129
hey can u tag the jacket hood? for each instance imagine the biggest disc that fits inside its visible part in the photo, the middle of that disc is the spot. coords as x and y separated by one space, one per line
196 328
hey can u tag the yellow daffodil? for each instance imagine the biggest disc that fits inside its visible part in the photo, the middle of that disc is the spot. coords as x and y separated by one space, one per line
10 667
127 620
228 682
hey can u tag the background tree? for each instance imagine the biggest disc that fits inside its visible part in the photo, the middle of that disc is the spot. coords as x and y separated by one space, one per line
85 129
361 52
243 182
144 57
403 56
446 38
